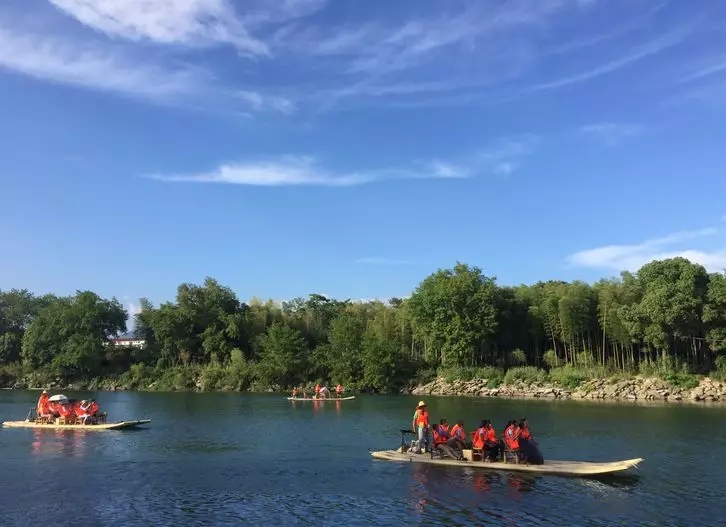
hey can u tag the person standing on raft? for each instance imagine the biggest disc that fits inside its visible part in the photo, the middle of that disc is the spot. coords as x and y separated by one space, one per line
420 424
43 409
339 390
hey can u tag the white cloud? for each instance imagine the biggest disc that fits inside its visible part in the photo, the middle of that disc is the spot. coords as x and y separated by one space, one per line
714 68
632 257
132 308
300 170
654 47
114 70
59 61
191 22
499 158
259 102
613 133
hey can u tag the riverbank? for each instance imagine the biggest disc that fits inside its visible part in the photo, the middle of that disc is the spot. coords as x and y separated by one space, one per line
536 385
638 388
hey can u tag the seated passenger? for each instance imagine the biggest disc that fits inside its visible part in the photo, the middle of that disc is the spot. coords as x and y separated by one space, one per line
528 448
492 446
511 436
478 438
83 411
457 436
440 439
444 425
65 410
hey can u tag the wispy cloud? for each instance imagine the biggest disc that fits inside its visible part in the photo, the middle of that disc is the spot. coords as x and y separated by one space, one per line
190 22
714 68
294 170
114 70
258 101
653 47
59 61
613 133
632 257
300 170
383 261
440 54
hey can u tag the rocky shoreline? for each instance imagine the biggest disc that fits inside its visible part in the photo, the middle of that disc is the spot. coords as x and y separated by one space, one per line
637 389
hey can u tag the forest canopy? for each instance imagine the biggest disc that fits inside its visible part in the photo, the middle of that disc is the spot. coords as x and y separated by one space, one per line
667 319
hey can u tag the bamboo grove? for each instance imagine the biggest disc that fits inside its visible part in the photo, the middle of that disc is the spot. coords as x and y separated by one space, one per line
667 318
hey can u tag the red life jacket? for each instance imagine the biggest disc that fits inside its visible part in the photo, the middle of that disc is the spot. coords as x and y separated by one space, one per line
491 435
478 441
511 437
458 432
439 438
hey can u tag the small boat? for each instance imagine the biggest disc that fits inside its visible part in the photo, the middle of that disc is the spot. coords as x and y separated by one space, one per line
560 468
121 425
321 398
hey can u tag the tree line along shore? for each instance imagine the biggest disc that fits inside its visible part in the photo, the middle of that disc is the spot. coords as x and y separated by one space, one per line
667 321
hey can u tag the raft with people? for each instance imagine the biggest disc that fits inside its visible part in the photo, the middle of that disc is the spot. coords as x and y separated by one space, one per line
515 451
61 412
322 393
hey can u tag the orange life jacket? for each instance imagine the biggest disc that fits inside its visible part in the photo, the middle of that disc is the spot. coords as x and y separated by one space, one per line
439 438
490 435
525 433
478 440
511 437
445 428
421 418
93 410
458 432
65 410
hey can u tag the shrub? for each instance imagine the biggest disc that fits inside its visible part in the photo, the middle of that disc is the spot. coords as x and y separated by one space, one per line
518 357
573 376
494 376
527 374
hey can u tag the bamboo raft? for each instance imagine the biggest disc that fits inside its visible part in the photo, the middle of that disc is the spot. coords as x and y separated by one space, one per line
321 398
560 468
121 425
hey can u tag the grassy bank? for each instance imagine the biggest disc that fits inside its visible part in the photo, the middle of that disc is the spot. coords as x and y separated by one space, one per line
571 377
243 376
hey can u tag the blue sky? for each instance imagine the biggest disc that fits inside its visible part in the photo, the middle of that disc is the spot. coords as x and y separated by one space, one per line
351 148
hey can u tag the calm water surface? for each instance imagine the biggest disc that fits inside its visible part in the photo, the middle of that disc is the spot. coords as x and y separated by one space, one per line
231 459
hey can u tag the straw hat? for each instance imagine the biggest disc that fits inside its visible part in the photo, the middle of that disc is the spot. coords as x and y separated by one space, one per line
420 404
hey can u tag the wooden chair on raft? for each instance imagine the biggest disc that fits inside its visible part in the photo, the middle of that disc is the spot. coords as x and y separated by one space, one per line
476 453
510 453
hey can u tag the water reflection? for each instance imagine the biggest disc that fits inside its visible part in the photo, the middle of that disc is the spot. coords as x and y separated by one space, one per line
68 443
519 484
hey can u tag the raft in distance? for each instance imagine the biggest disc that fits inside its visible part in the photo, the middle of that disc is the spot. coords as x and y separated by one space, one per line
559 468
121 425
321 399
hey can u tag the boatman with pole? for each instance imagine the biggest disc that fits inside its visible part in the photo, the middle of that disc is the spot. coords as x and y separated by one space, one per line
420 424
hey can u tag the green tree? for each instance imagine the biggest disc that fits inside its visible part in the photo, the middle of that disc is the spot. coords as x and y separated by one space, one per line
283 359
455 310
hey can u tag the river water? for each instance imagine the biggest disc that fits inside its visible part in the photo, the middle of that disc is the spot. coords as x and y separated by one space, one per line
232 459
